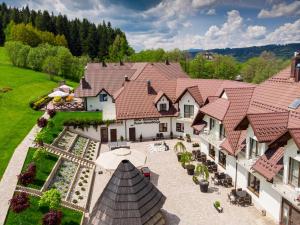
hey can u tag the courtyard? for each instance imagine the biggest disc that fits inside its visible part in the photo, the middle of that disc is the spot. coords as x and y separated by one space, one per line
185 203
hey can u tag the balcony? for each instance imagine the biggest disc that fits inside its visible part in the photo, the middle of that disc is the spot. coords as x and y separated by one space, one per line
211 137
181 118
246 163
287 191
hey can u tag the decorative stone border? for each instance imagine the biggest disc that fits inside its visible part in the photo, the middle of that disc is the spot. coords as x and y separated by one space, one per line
51 175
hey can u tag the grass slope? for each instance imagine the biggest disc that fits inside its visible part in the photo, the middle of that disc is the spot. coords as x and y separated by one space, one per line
16 118
34 215
43 167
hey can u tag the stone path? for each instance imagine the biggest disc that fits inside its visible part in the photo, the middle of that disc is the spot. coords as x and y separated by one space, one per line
9 180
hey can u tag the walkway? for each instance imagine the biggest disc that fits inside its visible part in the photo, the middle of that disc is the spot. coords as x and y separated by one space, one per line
9 180
185 203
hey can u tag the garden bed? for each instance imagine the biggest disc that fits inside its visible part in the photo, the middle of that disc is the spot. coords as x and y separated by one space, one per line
79 146
65 141
63 178
92 150
44 167
34 215
80 191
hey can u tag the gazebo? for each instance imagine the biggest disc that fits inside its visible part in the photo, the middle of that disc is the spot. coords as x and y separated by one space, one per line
128 199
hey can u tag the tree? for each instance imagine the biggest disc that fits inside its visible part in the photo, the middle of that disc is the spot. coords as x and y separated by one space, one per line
52 218
19 202
12 49
22 56
117 50
50 199
51 66
75 44
36 57
2 36
93 42
64 57
225 67
26 34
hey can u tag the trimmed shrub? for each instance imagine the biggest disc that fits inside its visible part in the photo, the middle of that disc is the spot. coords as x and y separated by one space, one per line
19 202
39 102
51 112
50 199
28 176
52 218
42 122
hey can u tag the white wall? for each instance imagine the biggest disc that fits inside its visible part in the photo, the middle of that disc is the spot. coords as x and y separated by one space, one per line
262 147
187 99
290 152
120 130
90 132
148 127
108 107
230 166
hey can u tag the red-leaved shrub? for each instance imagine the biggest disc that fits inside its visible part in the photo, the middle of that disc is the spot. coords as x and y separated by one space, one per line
42 122
19 202
51 112
52 218
28 176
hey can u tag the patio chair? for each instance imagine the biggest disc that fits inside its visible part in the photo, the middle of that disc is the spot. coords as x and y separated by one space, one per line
239 189
241 201
157 136
233 192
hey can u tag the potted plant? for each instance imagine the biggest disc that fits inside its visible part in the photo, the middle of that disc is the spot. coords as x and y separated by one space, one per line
218 207
179 148
202 170
196 180
188 138
121 138
185 160
171 135
141 138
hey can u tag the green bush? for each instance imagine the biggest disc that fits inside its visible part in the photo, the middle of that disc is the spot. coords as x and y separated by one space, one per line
40 102
50 199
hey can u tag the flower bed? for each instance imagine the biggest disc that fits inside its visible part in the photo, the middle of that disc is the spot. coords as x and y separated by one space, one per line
63 177
80 192
66 140
79 146
92 150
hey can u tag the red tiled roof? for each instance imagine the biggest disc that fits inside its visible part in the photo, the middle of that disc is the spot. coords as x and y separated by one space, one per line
199 126
216 109
270 163
239 99
195 93
136 102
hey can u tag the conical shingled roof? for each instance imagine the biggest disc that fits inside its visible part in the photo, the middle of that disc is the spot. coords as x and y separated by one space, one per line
128 199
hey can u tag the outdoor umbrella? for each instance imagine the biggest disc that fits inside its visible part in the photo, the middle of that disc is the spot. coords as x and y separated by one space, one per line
58 94
110 160
66 88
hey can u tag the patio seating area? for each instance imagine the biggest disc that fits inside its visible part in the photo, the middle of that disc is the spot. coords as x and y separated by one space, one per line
240 197
185 204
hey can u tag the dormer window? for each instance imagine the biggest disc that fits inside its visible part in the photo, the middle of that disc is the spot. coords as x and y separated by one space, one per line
163 107
188 111
103 97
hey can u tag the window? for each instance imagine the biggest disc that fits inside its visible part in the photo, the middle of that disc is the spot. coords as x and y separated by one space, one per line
294 173
253 183
188 111
212 151
222 132
211 123
179 127
103 97
163 107
253 148
163 127
222 159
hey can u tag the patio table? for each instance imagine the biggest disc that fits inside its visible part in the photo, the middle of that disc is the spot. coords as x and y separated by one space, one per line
241 194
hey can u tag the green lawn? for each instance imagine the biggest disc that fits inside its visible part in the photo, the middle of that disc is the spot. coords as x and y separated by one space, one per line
34 215
17 118
43 167
52 132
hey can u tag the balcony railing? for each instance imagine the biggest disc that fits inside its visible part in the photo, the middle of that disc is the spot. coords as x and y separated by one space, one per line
211 137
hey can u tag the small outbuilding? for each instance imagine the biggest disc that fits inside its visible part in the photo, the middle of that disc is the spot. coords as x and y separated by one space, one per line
128 199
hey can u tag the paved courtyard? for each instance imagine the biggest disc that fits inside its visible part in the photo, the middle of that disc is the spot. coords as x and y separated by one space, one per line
185 204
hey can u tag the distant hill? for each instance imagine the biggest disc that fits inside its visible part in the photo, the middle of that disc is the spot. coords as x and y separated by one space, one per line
242 54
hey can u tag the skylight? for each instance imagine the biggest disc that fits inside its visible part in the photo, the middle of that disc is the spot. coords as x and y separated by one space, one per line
295 104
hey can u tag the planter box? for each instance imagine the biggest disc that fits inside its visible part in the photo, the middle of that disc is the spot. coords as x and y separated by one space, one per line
190 169
219 209
204 186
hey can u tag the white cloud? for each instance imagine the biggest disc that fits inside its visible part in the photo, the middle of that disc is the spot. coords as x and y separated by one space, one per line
211 12
202 3
281 9
256 32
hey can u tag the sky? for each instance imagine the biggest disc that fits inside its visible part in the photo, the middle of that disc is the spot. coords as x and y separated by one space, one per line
187 24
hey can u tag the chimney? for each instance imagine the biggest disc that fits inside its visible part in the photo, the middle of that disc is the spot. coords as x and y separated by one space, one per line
149 86
167 62
121 63
104 64
295 62
239 78
126 78
297 73
84 84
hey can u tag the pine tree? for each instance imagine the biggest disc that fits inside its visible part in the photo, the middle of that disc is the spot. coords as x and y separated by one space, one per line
93 43
75 43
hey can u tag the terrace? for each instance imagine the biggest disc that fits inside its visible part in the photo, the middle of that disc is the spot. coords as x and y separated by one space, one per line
185 203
